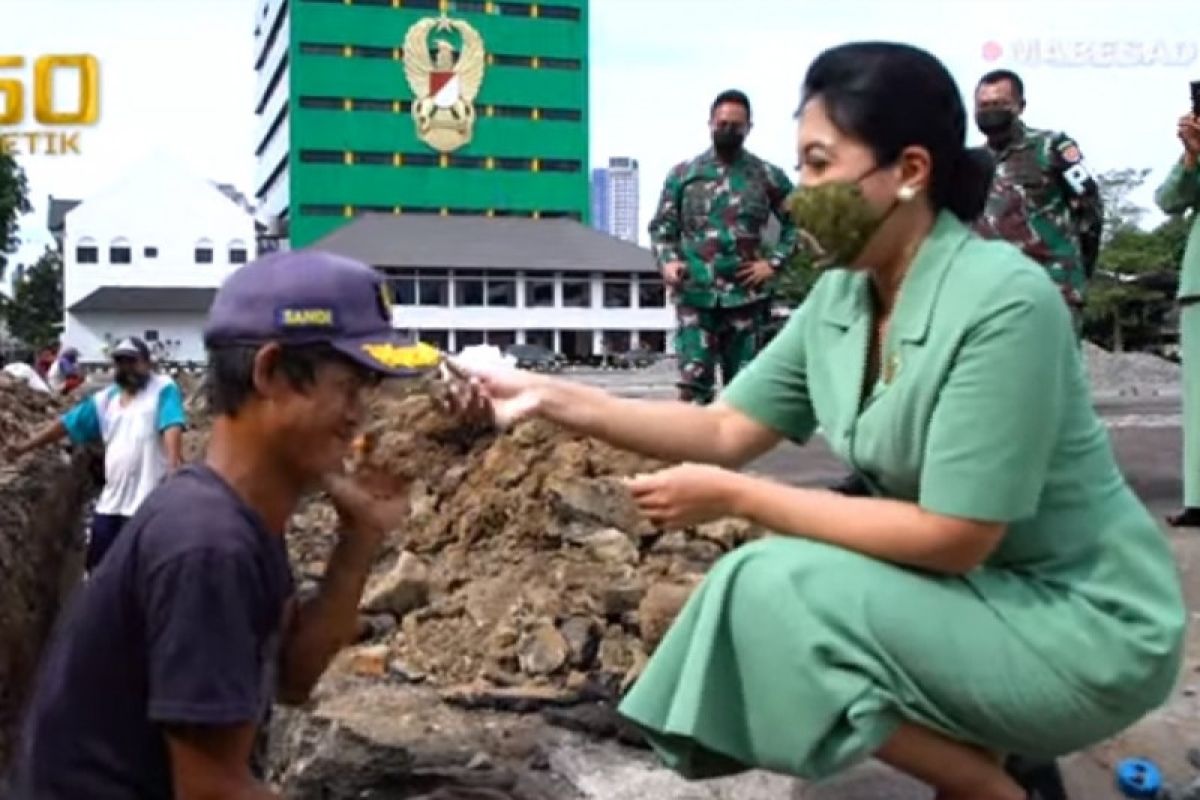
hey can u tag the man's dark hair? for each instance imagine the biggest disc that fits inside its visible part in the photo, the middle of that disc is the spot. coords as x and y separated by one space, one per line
229 377
998 75
892 96
731 96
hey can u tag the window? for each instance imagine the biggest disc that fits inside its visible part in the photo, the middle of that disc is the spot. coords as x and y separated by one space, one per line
654 341
373 52
561 165
87 254
576 344
439 338
320 49
540 338
539 290
320 102
469 338
577 293
373 157
404 289
558 12
150 336
502 290
150 252
502 339
204 252
468 291
561 63
119 252
321 210
618 292
468 6
321 156
651 293
238 252
372 105
569 114
433 288
420 160
514 163
616 341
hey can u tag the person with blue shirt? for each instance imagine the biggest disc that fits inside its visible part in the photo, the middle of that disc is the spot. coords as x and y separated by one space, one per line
140 420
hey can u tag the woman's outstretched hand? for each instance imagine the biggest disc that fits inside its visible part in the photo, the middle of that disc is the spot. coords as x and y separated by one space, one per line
686 495
499 395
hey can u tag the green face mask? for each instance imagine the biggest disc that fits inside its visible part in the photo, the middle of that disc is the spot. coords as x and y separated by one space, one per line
836 220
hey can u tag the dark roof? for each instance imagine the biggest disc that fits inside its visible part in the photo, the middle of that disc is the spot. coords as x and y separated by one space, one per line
57 212
147 298
462 242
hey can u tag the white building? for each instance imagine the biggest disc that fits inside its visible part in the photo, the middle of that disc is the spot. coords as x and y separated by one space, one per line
615 198
145 257
459 281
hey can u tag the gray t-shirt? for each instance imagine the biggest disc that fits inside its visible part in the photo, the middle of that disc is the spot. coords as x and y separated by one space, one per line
179 625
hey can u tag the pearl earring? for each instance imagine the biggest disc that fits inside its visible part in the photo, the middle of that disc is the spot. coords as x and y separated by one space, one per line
906 193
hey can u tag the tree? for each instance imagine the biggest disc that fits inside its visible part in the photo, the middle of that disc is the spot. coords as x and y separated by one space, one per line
36 311
14 201
1116 186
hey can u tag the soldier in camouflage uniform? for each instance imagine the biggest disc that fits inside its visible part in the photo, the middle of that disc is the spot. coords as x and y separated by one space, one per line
707 237
1043 198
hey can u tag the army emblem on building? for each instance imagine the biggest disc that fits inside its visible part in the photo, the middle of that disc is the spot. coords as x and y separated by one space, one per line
444 83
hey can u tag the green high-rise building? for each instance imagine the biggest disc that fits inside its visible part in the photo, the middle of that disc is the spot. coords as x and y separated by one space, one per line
338 136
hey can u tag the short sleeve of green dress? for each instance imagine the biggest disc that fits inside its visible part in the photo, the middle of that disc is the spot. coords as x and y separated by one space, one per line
988 449
803 657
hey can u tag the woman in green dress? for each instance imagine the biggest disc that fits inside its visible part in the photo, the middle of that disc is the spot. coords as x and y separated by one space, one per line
1000 590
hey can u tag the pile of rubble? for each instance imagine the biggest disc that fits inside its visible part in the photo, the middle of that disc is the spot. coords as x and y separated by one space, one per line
524 576
40 541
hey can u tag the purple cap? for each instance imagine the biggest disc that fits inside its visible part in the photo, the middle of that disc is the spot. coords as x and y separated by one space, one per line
302 297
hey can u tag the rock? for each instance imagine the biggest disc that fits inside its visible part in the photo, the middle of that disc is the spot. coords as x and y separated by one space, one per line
370 661
524 699
611 546
582 635
376 626
599 502
543 650
621 597
660 606
728 533
402 590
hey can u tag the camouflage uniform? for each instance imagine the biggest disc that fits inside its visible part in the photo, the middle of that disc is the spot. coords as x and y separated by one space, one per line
1045 201
711 217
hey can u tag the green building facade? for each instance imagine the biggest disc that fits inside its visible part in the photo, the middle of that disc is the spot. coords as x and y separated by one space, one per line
338 137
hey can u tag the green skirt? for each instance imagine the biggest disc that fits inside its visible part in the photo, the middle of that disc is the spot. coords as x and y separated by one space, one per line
803 658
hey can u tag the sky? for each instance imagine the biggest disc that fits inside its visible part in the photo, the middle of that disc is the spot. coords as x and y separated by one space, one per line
177 75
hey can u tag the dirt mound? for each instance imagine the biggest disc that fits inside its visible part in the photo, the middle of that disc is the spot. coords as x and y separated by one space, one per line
41 502
525 570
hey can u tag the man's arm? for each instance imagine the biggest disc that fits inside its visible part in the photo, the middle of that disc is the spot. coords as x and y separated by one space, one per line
1083 197
210 763
171 421
329 622
1181 190
780 190
665 227
81 424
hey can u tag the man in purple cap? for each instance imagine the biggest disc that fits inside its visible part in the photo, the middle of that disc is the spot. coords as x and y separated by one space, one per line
140 421
168 660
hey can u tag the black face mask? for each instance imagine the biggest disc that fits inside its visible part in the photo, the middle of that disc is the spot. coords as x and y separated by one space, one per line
131 381
995 122
728 139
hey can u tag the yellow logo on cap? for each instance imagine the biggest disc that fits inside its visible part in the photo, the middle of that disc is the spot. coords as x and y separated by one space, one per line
416 356
307 317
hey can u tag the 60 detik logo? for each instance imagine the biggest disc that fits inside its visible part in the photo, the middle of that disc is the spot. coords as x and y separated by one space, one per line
14 104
